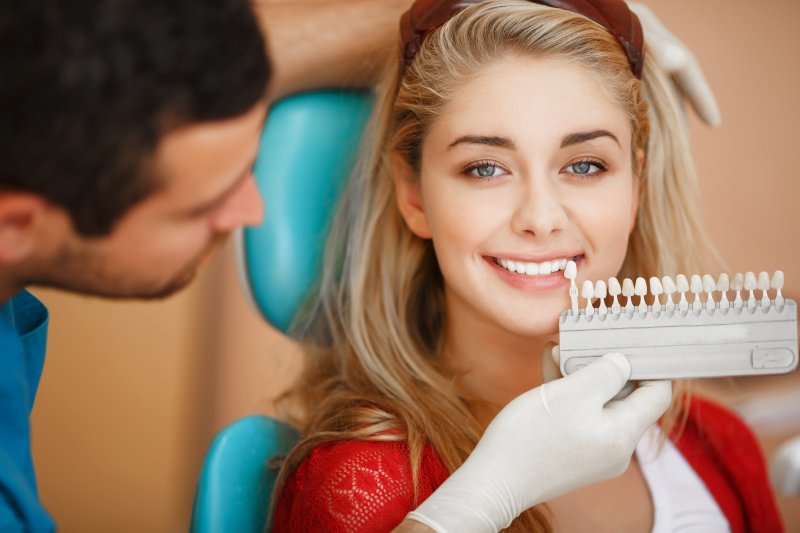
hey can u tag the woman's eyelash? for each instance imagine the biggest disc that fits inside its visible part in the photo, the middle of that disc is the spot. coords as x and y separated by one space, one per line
580 167
479 170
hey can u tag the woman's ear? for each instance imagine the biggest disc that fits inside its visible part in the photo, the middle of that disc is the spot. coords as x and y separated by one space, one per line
637 187
408 193
18 225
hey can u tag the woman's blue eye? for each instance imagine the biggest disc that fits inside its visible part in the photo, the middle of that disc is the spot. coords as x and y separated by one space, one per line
484 170
585 168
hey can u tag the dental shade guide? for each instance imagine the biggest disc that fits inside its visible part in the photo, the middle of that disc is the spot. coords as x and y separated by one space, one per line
710 337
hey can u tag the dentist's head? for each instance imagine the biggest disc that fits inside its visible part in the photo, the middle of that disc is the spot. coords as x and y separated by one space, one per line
129 131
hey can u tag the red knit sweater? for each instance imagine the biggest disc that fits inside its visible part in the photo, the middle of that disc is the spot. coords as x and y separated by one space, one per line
361 486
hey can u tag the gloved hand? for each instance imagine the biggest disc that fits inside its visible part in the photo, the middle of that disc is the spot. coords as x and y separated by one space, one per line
676 59
551 440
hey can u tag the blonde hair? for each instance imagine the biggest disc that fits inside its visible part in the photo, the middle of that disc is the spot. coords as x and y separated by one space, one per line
373 370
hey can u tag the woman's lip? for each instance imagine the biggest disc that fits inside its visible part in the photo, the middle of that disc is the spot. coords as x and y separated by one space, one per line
542 259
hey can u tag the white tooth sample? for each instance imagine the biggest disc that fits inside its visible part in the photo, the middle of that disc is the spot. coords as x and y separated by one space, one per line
683 287
696 287
531 269
763 285
723 285
738 284
640 290
614 290
562 264
587 291
600 292
669 289
656 289
750 284
709 287
571 272
627 291
777 284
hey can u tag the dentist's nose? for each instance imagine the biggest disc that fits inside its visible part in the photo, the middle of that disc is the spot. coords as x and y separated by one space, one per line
540 211
245 207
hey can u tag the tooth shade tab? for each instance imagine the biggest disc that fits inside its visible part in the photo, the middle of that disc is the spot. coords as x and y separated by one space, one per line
656 289
763 281
614 290
682 283
777 280
600 289
600 293
627 287
738 284
763 285
669 289
571 270
697 288
750 284
669 285
777 284
723 285
709 286
587 291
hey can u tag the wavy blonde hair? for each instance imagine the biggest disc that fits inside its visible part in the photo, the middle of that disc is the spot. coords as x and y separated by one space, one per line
373 370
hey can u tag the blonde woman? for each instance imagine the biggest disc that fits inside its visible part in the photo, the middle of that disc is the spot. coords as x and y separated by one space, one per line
509 138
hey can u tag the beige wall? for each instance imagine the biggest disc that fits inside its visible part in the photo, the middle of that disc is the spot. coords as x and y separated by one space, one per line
133 392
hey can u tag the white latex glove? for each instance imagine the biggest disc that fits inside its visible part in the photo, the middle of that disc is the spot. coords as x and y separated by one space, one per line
551 440
675 58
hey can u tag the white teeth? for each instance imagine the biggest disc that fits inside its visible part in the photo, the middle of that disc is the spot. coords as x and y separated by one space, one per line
533 269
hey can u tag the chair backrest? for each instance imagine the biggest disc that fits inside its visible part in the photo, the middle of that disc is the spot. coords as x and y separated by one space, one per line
235 485
308 150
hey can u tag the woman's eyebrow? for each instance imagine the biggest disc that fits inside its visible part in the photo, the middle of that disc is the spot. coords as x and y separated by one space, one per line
583 136
501 142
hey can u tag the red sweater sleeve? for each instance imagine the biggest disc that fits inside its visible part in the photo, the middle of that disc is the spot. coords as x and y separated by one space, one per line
727 457
354 486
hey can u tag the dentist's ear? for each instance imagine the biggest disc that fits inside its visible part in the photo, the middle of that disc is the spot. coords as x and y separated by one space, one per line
18 217
408 194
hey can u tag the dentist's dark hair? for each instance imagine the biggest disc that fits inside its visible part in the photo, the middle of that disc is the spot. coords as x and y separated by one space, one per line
90 87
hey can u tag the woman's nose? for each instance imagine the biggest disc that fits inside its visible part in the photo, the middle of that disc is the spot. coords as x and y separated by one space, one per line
540 211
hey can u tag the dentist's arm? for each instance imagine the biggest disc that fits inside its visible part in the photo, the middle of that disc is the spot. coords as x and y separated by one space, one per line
556 438
328 43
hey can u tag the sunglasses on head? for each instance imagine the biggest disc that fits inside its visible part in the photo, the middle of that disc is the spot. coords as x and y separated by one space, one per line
614 15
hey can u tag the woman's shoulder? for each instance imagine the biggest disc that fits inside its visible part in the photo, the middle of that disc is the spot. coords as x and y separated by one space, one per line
355 486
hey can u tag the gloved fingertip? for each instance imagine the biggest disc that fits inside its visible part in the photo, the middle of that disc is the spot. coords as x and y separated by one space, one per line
555 353
620 361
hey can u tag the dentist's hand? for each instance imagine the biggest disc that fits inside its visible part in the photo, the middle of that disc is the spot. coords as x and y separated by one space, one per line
551 440
676 59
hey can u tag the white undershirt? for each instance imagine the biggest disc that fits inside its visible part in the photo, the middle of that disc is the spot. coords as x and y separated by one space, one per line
681 502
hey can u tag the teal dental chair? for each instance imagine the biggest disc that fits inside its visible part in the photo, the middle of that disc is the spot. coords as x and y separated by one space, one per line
308 148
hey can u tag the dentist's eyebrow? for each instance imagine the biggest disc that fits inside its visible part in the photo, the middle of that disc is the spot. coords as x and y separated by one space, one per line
500 142
584 136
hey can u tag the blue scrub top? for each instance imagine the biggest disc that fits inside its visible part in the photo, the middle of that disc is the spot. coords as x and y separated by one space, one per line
23 334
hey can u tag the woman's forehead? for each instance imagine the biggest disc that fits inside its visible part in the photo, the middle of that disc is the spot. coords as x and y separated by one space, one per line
531 96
